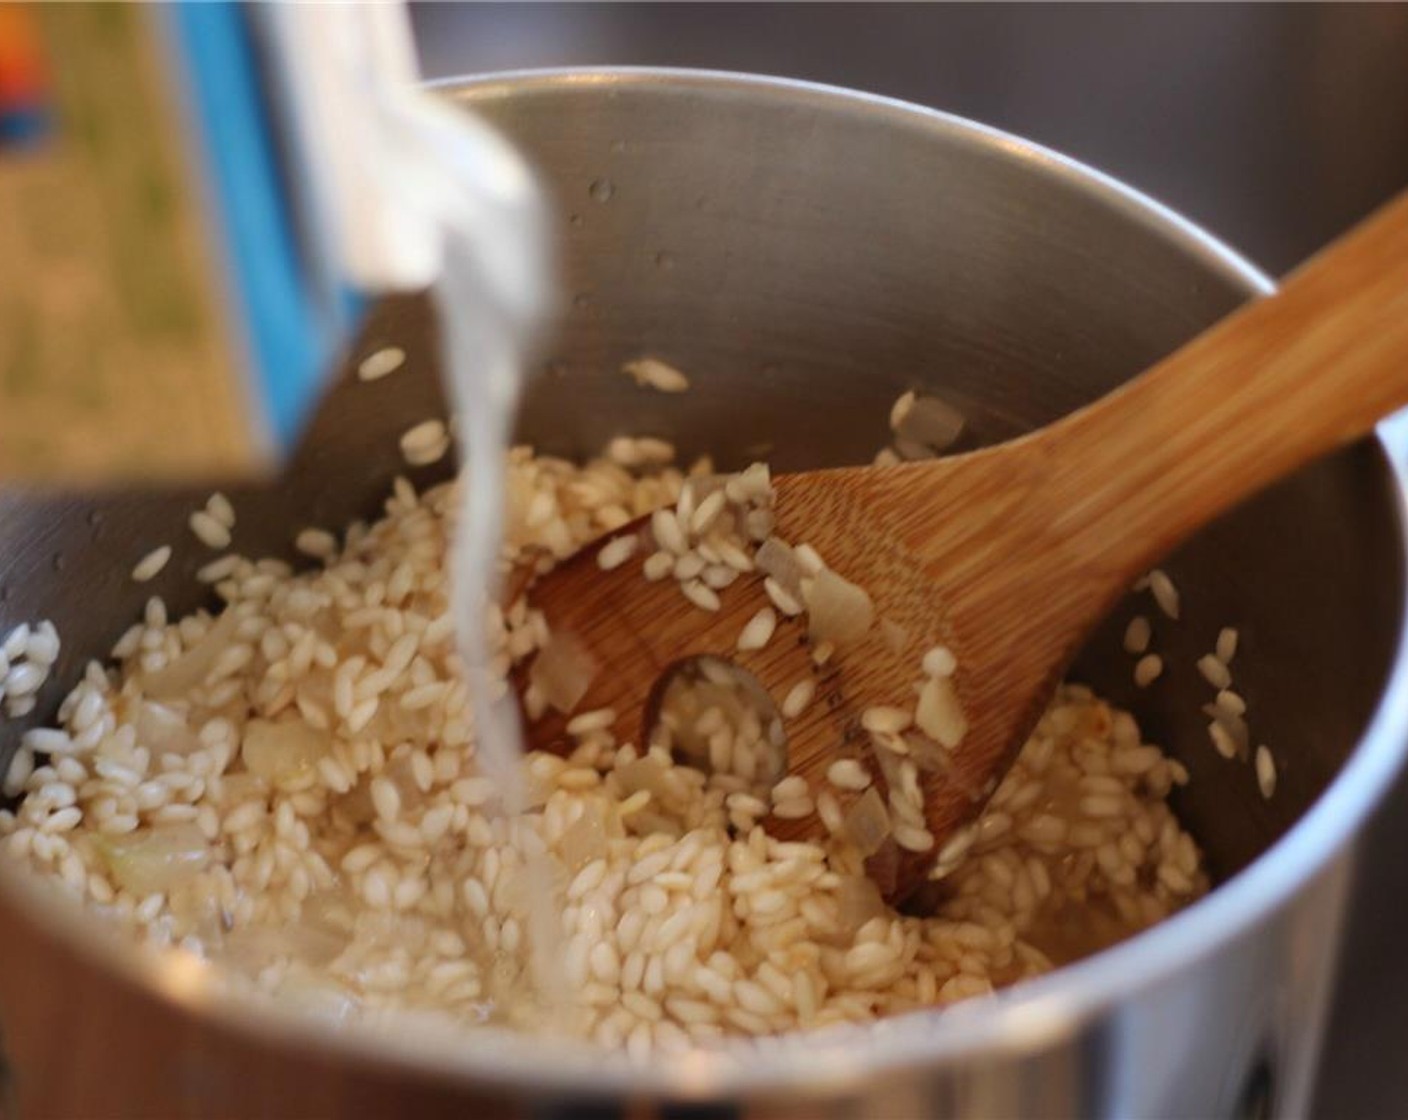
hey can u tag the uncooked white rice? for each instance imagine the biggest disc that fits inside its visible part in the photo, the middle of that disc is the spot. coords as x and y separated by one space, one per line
758 631
1231 702
847 773
381 362
150 565
1265 772
27 655
1222 739
1137 634
221 508
797 698
940 662
425 443
209 530
1148 669
781 598
42 645
317 543
705 598
901 408
1214 671
1226 648
652 373
617 552
1165 593
313 771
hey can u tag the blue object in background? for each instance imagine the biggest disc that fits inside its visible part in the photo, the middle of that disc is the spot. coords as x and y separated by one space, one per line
24 126
291 326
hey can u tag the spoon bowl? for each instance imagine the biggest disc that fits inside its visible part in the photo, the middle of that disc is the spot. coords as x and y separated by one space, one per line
995 564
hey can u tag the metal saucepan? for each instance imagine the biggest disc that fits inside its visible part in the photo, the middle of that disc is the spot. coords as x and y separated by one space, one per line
806 254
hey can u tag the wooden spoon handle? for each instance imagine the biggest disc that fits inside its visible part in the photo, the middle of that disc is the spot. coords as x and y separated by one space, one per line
1284 380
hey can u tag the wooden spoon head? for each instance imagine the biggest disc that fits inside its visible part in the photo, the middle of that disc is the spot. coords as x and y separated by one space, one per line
876 528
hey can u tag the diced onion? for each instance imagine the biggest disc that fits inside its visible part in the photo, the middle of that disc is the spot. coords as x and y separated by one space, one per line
400 772
284 751
867 823
189 670
240 786
838 611
932 422
563 671
646 774
775 558
154 859
858 900
926 752
939 713
584 840
163 730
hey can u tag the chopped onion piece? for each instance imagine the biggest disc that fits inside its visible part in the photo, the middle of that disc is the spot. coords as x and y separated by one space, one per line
646 774
858 900
939 713
324 1003
584 840
163 730
284 751
189 670
867 823
400 772
251 948
776 558
927 754
838 610
563 671
932 422
241 786
354 808
888 760
912 451
154 859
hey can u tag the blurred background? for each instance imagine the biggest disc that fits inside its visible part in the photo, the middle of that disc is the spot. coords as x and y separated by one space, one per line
1273 126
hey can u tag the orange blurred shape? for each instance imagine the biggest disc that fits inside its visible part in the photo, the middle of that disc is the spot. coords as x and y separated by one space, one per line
23 76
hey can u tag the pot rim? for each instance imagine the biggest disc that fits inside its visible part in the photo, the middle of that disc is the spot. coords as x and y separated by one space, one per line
1012 1021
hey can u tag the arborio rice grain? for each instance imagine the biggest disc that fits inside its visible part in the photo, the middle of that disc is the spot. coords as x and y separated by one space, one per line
289 789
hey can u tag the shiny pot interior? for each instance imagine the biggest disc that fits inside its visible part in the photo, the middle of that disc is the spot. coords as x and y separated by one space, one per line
806 256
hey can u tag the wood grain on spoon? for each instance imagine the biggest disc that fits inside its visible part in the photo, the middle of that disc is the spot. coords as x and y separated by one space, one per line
1011 554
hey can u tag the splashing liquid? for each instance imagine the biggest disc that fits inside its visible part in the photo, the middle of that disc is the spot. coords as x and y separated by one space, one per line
494 293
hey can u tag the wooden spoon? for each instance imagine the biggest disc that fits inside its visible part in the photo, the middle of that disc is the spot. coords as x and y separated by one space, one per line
1011 554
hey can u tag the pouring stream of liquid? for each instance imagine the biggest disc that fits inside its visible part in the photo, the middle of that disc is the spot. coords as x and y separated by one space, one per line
494 291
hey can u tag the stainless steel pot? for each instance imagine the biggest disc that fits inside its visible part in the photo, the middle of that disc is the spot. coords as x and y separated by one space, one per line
806 254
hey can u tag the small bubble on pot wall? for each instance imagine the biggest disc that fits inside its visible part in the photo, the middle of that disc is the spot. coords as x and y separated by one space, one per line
618 145
581 301
664 260
58 561
574 220
602 189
